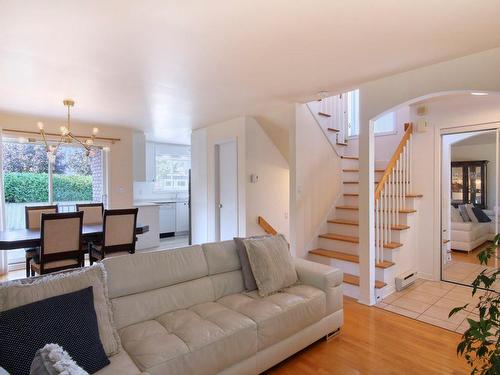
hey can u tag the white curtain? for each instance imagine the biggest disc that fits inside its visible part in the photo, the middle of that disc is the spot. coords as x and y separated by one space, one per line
4 266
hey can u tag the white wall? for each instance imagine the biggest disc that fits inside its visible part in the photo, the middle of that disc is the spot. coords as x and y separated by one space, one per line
315 181
474 72
256 154
269 197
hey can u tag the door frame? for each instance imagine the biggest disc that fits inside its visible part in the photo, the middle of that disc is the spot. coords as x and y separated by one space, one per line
217 186
439 132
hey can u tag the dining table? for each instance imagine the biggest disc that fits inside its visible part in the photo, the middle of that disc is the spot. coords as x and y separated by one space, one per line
28 238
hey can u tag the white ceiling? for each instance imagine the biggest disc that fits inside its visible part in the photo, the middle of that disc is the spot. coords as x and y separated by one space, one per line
169 66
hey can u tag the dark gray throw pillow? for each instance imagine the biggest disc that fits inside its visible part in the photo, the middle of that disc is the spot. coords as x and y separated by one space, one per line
68 320
246 269
480 215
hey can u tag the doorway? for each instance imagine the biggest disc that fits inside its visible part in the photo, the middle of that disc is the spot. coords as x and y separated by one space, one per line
470 200
226 191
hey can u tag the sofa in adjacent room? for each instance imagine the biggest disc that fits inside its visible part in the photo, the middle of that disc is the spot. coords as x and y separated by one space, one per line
185 311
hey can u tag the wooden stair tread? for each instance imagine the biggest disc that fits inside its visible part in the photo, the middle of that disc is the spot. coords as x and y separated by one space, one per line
342 143
346 257
352 239
347 207
356 223
339 237
324 114
344 222
356 208
333 130
354 280
350 157
407 195
357 170
392 245
356 182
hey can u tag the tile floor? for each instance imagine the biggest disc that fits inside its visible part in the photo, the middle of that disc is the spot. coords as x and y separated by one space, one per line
464 273
431 302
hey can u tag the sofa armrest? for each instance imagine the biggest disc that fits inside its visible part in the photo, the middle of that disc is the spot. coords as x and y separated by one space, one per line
323 277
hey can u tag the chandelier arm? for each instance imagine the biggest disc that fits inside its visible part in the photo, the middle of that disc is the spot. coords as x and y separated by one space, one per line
45 140
87 147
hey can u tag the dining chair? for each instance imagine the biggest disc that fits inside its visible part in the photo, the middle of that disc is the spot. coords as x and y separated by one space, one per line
118 234
60 243
92 212
33 218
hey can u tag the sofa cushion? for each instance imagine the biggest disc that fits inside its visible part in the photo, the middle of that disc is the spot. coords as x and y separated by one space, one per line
271 262
480 215
203 339
152 270
463 212
121 364
21 292
470 213
221 257
148 305
455 215
282 314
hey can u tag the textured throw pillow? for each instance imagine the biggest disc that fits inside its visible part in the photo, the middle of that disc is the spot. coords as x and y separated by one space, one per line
68 320
54 360
271 263
455 215
21 292
480 215
246 269
463 213
470 213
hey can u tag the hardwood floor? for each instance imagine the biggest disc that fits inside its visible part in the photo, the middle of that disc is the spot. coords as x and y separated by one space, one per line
375 341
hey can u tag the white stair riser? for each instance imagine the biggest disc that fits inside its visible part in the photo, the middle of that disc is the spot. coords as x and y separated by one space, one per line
349 164
350 188
350 201
350 290
343 246
354 201
346 214
346 230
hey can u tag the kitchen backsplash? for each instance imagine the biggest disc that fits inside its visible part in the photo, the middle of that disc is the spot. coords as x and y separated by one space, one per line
144 191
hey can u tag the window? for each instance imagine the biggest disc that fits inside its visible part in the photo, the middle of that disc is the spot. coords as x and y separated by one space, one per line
29 180
383 125
172 172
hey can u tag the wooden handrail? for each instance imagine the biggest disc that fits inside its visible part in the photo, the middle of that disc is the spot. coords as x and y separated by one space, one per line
394 159
266 226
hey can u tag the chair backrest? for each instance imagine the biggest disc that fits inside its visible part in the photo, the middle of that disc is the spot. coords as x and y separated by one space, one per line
33 215
61 237
119 230
92 212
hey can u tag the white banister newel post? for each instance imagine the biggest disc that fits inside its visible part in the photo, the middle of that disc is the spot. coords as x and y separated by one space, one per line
367 215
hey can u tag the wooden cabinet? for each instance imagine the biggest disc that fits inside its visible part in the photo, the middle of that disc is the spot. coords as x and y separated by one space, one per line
468 182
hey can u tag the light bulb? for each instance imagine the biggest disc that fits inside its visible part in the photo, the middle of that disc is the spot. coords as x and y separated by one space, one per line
40 125
64 130
95 131
106 148
89 142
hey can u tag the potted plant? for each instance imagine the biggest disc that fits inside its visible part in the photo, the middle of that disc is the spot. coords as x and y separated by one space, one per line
480 343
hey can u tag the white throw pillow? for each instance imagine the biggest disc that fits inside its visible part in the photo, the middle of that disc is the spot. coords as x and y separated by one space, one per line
472 215
52 359
271 263
21 292
455 215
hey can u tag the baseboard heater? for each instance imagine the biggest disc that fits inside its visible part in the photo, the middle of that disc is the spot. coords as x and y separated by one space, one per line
405 280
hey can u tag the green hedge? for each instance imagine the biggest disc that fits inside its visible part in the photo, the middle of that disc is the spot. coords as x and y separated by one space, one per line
33 187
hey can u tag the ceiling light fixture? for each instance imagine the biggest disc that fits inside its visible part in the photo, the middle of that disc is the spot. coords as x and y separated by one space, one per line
479 93
67 136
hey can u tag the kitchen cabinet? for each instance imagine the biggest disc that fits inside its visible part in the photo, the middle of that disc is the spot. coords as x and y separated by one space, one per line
167 218
182 217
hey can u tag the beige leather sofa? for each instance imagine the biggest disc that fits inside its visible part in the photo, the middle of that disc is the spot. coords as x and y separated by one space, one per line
185 311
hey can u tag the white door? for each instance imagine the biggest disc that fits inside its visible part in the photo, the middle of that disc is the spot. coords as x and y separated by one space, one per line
227 194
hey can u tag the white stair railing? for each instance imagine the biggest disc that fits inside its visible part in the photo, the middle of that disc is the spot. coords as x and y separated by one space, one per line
391 193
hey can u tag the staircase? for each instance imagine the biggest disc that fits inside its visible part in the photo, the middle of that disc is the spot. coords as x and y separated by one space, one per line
395 208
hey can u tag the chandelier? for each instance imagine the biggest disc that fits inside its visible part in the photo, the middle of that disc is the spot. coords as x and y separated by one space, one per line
68 137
